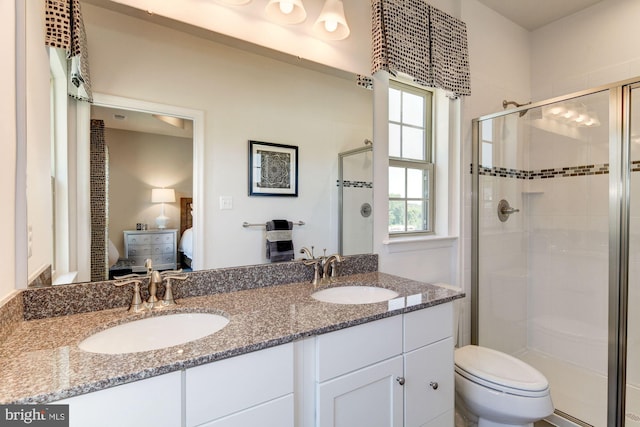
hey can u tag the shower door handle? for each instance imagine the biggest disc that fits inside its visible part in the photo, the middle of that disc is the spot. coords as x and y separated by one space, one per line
504 210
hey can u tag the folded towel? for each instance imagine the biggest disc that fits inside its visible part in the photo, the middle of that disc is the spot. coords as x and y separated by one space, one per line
279 240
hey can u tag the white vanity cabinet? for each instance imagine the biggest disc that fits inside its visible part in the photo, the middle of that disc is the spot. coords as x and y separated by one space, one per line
251 389
156 401
393 372
396 372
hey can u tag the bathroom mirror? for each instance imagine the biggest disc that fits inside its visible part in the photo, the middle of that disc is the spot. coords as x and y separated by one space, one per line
243 94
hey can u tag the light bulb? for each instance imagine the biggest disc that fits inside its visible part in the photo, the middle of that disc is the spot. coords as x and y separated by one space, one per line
286 7
330 25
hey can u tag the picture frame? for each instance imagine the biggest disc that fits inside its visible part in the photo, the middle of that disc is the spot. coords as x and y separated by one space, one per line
273 169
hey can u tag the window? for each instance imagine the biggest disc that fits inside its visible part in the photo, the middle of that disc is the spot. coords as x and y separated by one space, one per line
410 160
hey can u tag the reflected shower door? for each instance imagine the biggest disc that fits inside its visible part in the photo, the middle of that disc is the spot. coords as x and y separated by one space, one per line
543 267
356 201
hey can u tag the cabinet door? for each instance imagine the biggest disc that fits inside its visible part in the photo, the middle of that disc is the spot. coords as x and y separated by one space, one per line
152 402
369 397
428 390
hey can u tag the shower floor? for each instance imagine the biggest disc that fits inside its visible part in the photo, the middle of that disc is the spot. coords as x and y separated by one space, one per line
579 392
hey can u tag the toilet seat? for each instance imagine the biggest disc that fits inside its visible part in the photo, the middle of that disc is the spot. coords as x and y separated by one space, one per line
500 372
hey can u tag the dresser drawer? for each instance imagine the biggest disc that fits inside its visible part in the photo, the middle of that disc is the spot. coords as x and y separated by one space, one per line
139 239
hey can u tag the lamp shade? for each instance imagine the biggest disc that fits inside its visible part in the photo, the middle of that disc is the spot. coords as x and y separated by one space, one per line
285 11
331 23
163 195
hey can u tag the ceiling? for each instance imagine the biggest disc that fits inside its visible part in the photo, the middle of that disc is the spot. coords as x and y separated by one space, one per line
533 14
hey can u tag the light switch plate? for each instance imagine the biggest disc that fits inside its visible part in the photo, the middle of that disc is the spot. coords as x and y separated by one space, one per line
226 202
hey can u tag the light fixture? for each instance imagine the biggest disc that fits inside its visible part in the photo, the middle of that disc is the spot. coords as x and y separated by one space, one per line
285 11
331 24
162 195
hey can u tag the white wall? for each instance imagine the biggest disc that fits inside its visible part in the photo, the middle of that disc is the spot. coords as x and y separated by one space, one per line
594 47
8 148
39 205
500 69
244 97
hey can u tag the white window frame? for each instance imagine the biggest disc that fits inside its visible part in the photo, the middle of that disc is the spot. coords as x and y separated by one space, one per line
426 166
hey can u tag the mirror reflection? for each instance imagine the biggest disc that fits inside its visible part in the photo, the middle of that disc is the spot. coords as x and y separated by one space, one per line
149 176
242 93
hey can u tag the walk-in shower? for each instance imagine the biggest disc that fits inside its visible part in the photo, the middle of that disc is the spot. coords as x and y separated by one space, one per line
355 185
556 247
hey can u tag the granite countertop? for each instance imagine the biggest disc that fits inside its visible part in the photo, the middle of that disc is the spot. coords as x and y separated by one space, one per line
41 361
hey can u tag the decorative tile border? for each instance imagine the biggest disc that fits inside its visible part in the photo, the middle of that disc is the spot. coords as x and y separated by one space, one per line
564 172
355 184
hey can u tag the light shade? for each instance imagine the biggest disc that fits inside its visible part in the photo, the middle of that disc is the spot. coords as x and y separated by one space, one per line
285 11
163 195
331 24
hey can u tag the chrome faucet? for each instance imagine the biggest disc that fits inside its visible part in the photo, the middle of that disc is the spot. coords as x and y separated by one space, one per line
312 260
321 266
330 262
155 278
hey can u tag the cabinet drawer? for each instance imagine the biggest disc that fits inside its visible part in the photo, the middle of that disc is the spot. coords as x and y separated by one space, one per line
162 249
276 413
222 388
130 405
352 348
427 326
138 250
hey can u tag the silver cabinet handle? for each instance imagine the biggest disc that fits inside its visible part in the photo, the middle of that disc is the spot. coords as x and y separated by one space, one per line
400 380
434 385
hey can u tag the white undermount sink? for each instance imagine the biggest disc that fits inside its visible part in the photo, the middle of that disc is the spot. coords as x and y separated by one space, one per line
354 295
154 333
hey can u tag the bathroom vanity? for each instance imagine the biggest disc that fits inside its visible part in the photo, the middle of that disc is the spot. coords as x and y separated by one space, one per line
284 359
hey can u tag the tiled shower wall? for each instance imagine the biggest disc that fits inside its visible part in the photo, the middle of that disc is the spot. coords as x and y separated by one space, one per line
544 272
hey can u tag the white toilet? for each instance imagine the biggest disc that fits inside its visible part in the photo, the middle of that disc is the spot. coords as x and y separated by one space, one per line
494 389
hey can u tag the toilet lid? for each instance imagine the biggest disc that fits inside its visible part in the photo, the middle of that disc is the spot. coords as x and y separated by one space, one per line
499 368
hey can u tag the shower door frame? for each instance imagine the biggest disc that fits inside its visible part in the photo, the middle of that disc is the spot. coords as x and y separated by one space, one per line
619 211
341 157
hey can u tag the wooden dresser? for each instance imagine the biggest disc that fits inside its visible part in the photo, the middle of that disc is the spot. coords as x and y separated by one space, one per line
160 245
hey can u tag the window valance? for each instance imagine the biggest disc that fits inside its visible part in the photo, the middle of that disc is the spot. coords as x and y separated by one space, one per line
417 39
64 29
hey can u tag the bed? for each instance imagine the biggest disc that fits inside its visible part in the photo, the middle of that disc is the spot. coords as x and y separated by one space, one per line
185 246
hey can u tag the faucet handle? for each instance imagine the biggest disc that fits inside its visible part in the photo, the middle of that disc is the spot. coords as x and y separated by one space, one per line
136 302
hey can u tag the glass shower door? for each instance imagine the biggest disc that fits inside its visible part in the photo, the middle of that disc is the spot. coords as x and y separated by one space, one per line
355 183
543 259
632 410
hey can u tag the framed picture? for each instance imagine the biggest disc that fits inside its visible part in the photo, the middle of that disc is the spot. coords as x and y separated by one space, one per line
273 169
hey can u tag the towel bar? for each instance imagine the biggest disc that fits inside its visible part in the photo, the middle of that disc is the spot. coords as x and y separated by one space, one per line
246 224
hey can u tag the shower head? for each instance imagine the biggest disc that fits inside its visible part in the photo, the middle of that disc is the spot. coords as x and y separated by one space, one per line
506 103
368 142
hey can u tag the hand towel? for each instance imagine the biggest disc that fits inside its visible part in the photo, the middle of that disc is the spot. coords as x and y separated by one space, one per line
279 240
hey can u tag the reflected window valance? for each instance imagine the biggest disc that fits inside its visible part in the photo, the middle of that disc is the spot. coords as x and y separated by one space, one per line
64 29
417 39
